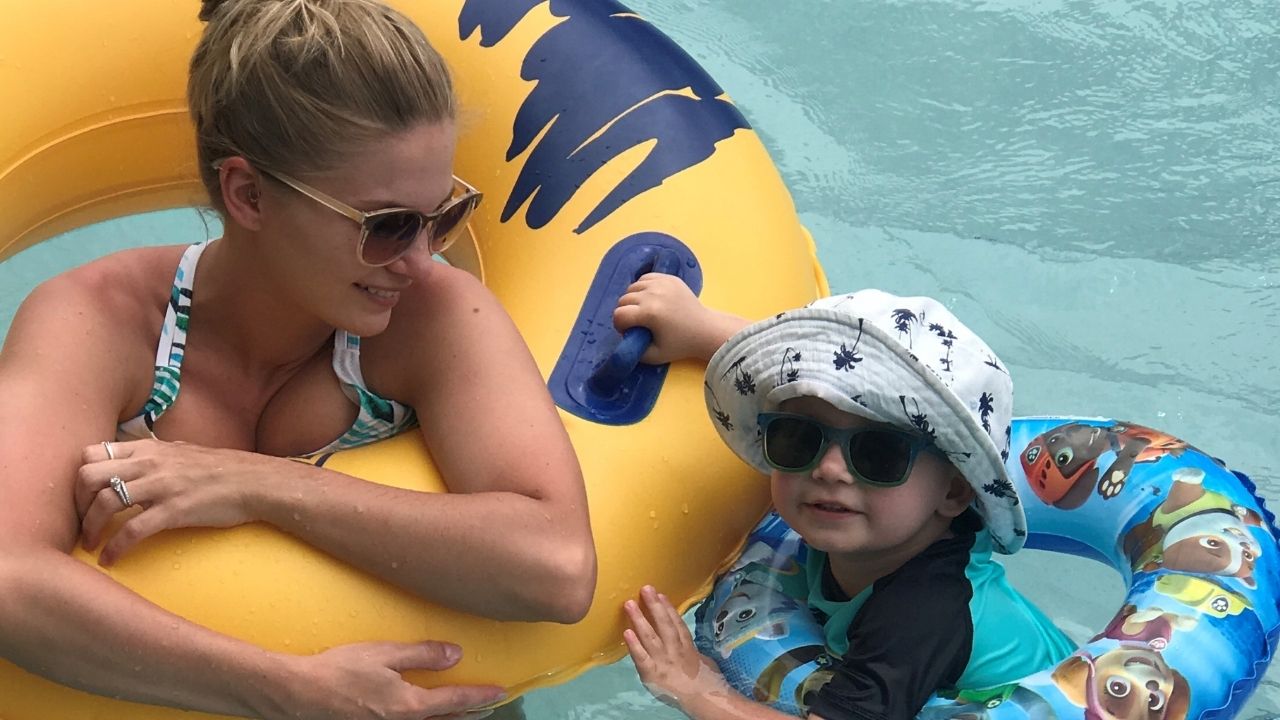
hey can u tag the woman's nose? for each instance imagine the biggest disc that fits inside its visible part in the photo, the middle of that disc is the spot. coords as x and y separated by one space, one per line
415 261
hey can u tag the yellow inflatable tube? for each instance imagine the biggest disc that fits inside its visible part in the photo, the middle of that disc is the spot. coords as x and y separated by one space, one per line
583 126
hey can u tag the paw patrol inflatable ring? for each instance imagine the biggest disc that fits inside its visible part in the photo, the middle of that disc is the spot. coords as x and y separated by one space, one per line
1192 539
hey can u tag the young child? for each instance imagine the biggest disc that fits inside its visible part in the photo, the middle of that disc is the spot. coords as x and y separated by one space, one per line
884 424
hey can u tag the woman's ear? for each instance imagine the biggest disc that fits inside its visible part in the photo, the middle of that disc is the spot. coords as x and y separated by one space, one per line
959 496
241 192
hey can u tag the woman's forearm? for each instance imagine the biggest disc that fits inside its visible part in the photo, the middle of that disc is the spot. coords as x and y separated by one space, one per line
498 554
68 622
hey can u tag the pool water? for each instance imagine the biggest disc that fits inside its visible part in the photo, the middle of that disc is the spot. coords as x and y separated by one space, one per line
1094 187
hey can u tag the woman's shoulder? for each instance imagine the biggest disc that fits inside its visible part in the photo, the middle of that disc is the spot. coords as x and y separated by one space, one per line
123 293
449 301
122 277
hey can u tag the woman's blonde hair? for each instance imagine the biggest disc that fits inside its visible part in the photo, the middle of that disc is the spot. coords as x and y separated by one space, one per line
296 84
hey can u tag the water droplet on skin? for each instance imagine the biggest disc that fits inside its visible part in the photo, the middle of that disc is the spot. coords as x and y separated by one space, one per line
685 508
359 509
297 516
177 566
653 513
395 565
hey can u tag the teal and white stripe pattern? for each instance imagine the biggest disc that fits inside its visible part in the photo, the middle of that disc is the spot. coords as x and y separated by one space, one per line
170 351
377 418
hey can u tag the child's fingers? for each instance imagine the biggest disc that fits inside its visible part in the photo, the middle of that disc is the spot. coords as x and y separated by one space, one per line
677 622
656 609
643 630
639 655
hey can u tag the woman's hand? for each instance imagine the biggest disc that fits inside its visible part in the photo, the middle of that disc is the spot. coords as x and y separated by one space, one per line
363 681
666 659
176 485
682 326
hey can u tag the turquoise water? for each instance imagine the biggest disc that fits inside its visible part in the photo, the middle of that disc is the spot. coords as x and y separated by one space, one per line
1093 186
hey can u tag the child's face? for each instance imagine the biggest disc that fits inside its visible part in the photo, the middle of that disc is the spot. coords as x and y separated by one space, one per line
836 513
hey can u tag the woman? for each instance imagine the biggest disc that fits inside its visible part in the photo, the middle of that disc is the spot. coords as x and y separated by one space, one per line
297 327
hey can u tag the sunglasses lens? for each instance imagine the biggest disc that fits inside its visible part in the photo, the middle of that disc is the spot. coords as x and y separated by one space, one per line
881 457
449 225
792 444
389 236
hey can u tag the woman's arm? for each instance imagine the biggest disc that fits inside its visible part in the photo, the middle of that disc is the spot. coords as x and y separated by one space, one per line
512 539
61 378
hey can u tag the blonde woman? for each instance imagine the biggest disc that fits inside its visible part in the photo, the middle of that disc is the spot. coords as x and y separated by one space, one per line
179 379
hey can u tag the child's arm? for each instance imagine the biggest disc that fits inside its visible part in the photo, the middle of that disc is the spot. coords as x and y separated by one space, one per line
682 326
676 673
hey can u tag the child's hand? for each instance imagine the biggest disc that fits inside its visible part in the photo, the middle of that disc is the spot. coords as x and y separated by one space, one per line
682 326
666 659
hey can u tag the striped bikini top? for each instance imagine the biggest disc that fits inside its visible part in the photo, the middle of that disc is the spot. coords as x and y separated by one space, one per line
378 417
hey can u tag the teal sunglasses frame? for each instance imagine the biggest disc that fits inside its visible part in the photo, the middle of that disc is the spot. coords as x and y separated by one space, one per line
844 437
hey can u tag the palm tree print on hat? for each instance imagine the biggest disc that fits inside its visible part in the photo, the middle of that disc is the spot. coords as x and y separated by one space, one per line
985 408
991 361
847 357
742 380
957 456
919 420
1001 488
1008 440
858 399
902 320
948 338
787 371
722 417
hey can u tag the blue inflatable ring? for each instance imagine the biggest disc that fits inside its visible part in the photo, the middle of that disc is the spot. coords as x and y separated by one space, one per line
1192 539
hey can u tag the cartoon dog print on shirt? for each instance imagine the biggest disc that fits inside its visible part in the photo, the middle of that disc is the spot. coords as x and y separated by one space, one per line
1195 530
1062 464
1130 682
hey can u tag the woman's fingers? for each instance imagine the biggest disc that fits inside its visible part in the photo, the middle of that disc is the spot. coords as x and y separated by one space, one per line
104 504
451 700
109 450
428 655
135 530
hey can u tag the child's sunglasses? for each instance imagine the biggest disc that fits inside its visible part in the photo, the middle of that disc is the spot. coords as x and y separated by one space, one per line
387 234
877 456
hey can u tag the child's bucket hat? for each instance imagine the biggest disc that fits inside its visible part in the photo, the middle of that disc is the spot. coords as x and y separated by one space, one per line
907 362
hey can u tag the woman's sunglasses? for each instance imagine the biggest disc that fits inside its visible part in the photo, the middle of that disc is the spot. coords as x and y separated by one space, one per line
387 234
877 456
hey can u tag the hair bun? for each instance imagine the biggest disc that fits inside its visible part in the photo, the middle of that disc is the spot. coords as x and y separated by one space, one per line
209 7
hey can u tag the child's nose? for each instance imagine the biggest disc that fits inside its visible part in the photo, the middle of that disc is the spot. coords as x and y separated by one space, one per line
831 467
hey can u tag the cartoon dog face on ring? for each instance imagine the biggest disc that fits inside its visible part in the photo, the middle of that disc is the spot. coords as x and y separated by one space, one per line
1130 682
753 610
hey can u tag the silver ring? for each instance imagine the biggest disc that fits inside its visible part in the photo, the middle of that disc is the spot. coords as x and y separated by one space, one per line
123 492
111 454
